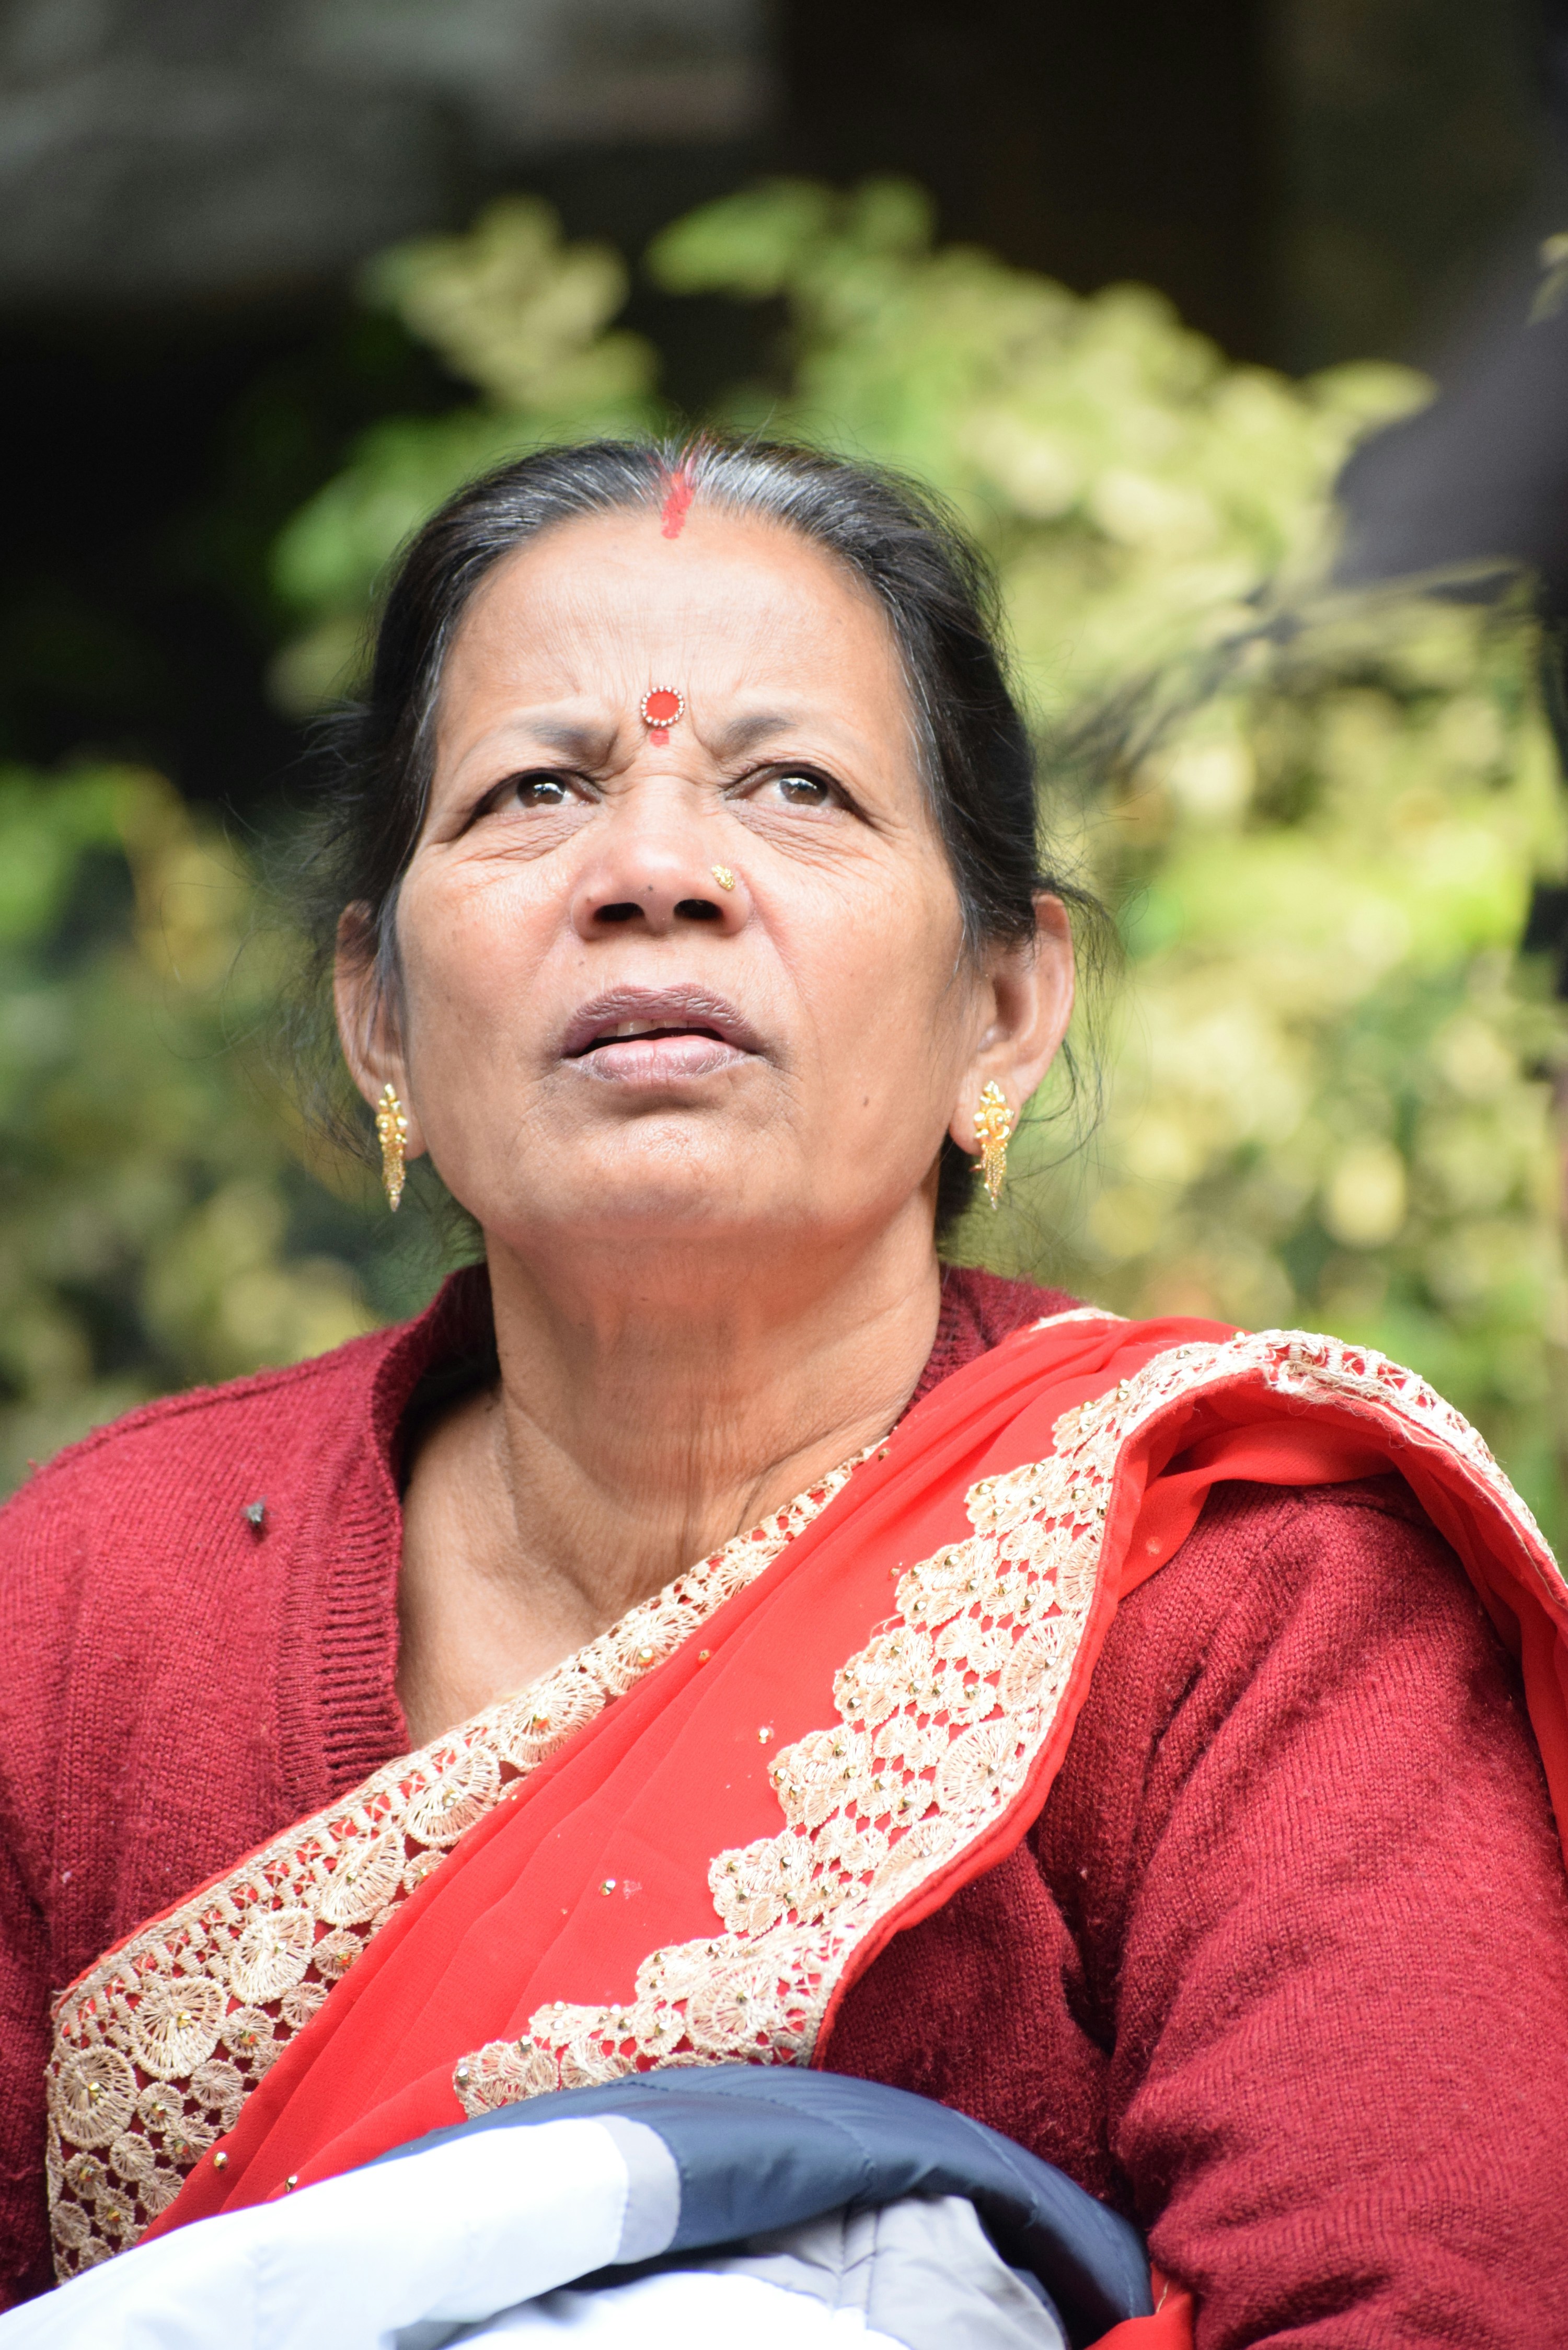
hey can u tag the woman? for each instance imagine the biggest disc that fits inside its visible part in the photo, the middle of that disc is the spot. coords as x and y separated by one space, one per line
1119 1732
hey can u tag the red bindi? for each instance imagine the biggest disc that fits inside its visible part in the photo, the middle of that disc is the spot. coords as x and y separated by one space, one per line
662 708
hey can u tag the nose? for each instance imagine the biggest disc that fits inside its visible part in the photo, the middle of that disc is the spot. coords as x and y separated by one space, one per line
656 871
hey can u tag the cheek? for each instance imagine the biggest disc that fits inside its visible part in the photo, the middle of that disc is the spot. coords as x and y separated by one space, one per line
466 949
887 994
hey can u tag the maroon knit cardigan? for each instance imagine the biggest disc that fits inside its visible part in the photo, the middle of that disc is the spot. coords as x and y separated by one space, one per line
1282 1970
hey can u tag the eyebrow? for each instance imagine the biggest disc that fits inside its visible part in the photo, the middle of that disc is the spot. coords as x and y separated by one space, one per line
743 732
588 746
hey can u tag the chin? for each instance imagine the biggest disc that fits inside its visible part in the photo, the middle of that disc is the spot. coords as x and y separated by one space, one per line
636 1207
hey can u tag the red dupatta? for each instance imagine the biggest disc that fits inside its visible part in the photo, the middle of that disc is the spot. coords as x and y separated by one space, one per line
699 1874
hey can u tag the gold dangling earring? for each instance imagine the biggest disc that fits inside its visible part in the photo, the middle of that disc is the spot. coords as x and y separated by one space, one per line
392 1127
993 1124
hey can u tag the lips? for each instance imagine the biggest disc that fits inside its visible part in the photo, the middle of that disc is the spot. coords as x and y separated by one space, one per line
653 1034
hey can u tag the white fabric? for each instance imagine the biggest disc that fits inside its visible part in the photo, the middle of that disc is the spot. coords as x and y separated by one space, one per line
921 2271
681 2310
415 2249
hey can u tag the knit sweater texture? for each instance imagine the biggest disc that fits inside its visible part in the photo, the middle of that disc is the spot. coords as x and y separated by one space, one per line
1282 1970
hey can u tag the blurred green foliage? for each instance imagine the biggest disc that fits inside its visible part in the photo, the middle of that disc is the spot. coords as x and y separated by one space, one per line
512 310
167 1219
1328 1072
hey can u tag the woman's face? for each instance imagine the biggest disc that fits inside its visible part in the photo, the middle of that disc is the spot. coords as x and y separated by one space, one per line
598 1035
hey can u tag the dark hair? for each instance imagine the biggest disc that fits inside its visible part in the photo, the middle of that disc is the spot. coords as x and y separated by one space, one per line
935 588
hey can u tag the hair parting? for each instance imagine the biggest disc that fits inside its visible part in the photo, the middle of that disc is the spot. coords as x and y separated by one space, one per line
678 504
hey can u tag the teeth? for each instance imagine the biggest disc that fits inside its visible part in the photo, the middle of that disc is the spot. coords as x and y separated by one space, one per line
630 1028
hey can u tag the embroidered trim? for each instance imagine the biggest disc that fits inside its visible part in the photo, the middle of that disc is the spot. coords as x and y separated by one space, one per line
158 2047
940 1719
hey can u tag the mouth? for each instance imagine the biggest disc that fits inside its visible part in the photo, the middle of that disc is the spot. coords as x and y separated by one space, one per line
647 1035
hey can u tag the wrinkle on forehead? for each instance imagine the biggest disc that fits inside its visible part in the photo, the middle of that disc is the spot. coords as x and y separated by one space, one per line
599 621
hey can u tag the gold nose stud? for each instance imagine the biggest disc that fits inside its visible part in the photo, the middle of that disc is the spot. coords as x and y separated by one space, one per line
723 877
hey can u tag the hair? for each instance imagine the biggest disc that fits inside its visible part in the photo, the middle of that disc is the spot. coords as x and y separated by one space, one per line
934 586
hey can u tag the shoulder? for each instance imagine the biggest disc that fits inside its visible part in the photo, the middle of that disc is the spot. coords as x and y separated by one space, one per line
137 1509
160 1506
142 1516
148 1609
1281 1600
277 1426
979 1310
1260 1552
131 1511
159 1441
1312 1660
1204 1405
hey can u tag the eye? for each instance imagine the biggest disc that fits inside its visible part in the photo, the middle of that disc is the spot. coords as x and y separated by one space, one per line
805 790
538 792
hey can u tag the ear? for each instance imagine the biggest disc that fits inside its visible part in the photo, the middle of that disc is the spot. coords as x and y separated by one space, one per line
1025 1004
366 1023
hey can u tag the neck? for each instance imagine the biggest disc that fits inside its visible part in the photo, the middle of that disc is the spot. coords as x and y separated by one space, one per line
638 1426
646 1422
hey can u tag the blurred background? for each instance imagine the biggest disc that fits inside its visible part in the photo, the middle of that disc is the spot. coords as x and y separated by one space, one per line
1236 334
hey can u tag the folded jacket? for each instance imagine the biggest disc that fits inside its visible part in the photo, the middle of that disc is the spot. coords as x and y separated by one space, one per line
685 2205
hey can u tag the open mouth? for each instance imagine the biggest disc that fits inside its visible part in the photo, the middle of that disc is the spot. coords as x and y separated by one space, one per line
644 1035
645 1031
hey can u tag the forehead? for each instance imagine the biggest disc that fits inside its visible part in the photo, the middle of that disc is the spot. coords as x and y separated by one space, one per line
735 603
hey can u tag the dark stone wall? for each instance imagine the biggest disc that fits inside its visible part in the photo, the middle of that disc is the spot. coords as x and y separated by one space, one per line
1123 140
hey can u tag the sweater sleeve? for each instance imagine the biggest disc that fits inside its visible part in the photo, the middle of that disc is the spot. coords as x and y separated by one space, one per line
38 1590
23 2046
1304 1844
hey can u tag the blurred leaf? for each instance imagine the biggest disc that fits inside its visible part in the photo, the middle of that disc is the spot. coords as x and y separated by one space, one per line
512 310
524 318
163 1221
750 244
